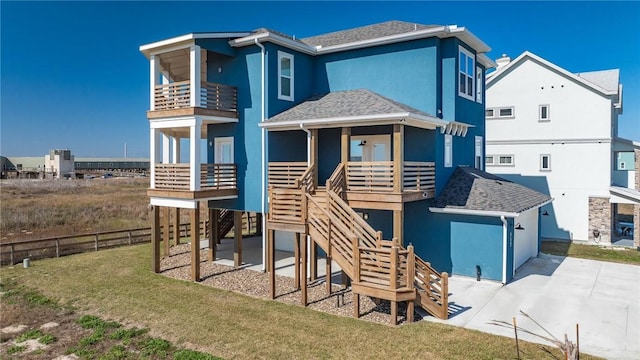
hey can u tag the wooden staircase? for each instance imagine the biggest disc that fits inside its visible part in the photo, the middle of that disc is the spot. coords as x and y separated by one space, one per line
377 268
225 222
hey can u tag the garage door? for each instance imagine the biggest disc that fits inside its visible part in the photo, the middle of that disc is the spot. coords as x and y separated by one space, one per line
526 239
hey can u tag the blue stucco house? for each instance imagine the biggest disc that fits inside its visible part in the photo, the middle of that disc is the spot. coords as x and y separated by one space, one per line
348 138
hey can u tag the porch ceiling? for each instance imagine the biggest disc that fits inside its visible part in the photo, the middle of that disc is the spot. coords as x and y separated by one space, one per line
176 63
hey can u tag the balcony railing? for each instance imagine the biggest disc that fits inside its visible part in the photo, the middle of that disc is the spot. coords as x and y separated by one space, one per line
365 176
177 95
212 177
377 176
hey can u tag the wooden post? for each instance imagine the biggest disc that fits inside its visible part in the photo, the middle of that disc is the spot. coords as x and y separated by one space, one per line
411 273
356 276
356 305
444 285
296 256
303 267
166 220
195 244
155 239
237 244
345 145
398 157
398 224
213 221
313 255
328 260
393 282
271 260
58 246
176 227
96 242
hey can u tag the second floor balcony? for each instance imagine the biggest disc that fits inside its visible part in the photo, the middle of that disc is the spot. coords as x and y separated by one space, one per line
180 98
205 181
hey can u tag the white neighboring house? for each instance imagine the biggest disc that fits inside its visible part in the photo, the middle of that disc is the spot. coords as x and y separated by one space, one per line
557 132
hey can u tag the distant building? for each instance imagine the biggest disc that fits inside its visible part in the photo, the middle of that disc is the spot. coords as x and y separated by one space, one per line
59 164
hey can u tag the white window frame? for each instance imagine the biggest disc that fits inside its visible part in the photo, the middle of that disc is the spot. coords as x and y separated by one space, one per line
622 165
540 118
479 84
513 112
467 76
493 113
479 158
512 163
489 163
548 168
448 150
284 55
217 146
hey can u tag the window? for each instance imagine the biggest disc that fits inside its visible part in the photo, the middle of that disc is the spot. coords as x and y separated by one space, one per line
622 165
489 160
545 162
466 78
448 150
285 74
505 160
506 112
543 113
479 143
479 84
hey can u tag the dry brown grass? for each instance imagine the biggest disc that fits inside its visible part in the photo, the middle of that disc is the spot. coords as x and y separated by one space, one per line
34 209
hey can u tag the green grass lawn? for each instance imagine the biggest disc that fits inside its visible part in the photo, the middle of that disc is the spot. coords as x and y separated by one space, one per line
117 285
594 252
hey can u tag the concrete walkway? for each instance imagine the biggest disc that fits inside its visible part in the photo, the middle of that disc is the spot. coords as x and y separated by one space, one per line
558 293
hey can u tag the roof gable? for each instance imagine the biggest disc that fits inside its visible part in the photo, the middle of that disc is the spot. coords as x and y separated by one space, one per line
528 56
473 190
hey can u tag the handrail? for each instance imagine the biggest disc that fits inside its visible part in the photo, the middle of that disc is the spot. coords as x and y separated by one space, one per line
177 95
337 181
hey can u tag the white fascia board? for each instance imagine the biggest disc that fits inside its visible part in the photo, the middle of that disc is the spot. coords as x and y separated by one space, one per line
363 120
514 63
274 38
172 202
627 193
454 211
635 144
470 39
487 63
148 48
165 123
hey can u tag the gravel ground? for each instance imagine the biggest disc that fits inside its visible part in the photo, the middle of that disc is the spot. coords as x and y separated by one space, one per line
256 284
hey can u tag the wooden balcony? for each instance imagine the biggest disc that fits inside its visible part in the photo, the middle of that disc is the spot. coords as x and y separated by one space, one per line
174 181
174 99
377 184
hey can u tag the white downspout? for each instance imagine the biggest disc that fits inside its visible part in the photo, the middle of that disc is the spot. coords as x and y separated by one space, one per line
504 249
263 158
308 144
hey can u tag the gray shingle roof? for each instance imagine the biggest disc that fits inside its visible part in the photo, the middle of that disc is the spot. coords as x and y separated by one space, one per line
341 104
368 32
606 79
473 189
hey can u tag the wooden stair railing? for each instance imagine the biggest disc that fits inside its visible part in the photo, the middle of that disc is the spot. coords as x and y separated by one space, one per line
225 221
432 286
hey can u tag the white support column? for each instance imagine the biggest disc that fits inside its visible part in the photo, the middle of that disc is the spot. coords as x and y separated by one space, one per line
165 78
154 156
194 155
175 156
165 149
194 75
154 69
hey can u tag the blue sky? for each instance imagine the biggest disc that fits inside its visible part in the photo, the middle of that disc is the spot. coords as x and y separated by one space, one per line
72 77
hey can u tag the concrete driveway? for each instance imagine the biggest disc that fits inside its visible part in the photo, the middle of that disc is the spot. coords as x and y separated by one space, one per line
557 292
